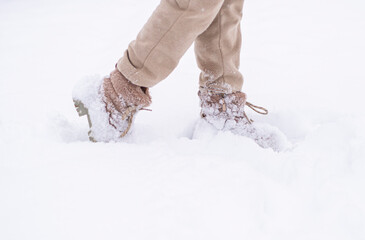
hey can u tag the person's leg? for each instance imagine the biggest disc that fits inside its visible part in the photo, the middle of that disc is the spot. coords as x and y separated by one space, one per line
167 35
112 103
222 103
218 50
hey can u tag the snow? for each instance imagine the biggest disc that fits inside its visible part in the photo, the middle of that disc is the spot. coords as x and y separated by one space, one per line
303 60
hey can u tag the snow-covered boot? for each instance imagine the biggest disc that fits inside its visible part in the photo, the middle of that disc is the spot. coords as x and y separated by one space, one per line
227 112
110 105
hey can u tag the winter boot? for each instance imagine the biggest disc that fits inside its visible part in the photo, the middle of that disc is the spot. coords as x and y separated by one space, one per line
226 112
110 105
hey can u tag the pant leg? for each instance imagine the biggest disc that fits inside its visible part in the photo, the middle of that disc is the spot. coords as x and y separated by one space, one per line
217 50
164 39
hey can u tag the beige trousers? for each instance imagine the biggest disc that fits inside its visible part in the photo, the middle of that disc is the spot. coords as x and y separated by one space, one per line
214 25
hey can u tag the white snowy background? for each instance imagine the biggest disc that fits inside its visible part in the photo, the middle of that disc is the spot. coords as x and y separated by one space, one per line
303 60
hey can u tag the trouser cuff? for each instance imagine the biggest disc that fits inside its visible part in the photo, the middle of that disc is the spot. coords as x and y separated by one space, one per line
138 76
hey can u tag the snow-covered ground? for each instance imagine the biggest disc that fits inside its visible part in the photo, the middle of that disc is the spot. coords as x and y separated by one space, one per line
304 60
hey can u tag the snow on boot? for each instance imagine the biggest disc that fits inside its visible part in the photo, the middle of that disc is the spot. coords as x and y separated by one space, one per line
226 112
110 105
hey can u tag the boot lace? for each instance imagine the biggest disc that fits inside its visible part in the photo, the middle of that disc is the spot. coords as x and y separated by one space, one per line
258 109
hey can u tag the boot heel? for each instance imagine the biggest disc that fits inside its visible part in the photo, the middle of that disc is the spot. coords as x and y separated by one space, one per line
80 108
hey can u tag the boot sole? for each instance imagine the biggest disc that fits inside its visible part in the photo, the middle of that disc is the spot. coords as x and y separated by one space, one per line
82 111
